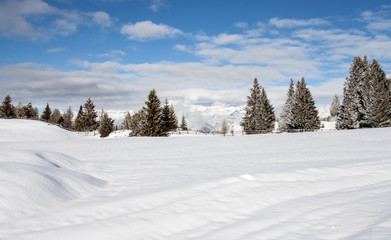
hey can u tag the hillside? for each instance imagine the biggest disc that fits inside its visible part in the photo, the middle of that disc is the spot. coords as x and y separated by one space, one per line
324 185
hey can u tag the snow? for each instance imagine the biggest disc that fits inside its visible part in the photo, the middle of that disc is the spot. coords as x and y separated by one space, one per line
322 185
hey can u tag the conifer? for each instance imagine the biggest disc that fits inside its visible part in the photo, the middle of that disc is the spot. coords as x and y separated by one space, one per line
68 116
79 121
183 123
90 116
334 108
286 112
7 110
45 116
154 125
106 124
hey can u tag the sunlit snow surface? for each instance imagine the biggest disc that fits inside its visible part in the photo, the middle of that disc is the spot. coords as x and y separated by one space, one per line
326 185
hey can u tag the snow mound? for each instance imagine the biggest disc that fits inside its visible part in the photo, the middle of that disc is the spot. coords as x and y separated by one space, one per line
30 182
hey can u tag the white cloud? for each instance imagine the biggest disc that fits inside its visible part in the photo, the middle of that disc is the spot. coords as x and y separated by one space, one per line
101 18
147 30
156 5
36 19
292 23
241 25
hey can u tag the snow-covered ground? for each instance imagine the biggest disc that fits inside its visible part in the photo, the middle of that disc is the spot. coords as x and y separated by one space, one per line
324 185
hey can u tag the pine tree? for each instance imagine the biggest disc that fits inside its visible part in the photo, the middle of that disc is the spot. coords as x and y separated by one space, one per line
166 116
183 123
68 116
267 114
154 125
286 115
30 112
45 116
334 108
7 110
90 116
173 120
126 122
79 121
305 114
55 117
259 116
344 119
19 111
106 124
137 123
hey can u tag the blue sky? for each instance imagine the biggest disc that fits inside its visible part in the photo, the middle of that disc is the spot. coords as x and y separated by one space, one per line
191 52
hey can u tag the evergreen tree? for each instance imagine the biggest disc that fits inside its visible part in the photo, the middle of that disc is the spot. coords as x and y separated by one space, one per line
137 123
90 116
7 110
154 125
184 123
126 122
259 116
19 111
286 115
173 120
344 119
46 113
79 121
30 112
169 118
334 108
106 124
68 116
305 114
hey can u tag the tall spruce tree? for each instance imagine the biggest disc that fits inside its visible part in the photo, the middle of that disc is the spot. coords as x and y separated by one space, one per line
170 121
259 116
305 114
90 116
334 108
79 121
173 120
106 124
286 115
45 116
154 125
7 110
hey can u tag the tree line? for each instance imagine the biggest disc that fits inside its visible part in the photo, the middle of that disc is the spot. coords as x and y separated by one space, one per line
366 103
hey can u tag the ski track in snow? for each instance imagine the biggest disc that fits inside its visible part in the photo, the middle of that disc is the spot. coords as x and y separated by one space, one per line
325 185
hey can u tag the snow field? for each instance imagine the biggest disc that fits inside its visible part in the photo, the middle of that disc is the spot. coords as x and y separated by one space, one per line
324 185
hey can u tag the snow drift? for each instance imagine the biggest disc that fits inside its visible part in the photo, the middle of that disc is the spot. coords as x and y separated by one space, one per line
324 185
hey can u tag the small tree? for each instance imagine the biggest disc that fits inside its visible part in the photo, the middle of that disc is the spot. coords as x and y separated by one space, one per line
79 122
184 123
126 122
90 116
334 108
224 127
106 124
45 116
7 110
137 123
30 112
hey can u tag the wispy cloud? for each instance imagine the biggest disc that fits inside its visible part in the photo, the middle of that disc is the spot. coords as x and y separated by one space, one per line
55 50
292 23
147 30
36 19
156 5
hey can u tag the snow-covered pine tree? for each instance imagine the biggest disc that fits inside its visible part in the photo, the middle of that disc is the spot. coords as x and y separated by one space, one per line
183 123
79 121
126 122
334 108
45 116
166 116
259 116
106 124
344 119
355 94
379 97
267 114
154 124
90 116
305 114
286 115
7 110
173 120
137 122
68 116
